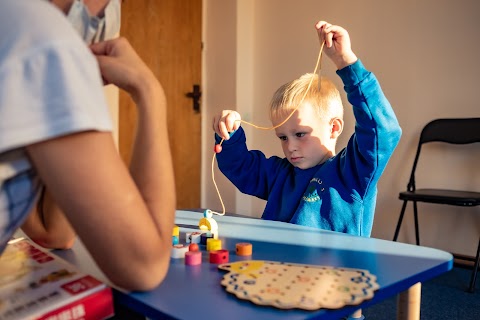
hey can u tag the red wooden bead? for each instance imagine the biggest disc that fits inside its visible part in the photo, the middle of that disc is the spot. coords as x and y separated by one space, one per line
193 247
219 256
218 148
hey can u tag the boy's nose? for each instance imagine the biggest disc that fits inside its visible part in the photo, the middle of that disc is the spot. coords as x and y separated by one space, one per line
291 146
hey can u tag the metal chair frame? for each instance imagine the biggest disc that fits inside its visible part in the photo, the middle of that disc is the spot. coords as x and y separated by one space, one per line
452 131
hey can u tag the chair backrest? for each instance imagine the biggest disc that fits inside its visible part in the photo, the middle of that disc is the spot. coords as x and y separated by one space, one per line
456 131
453 131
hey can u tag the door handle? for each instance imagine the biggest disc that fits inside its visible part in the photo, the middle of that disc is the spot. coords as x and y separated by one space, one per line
196 94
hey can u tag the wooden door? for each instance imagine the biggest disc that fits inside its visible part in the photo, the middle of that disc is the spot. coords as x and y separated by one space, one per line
167 35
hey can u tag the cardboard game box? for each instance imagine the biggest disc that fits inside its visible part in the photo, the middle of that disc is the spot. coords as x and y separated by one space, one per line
37 285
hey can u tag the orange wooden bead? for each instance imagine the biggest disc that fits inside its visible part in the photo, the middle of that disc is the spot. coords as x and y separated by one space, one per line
193 247
217 148
244 249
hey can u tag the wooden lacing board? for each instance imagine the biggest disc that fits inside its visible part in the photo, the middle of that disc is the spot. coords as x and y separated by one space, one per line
289 285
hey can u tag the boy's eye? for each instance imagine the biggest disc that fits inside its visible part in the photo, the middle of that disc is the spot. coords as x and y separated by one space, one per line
300 134
283 138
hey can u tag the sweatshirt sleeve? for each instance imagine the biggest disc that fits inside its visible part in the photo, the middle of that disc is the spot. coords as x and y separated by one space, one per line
377 131
249 170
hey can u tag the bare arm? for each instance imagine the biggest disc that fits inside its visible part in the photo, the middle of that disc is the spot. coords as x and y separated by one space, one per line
124 217
48 226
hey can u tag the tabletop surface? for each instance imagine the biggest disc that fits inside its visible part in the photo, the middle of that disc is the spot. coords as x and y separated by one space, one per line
190 292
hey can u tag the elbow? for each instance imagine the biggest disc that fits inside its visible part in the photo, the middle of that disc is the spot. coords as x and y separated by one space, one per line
394 134
140 272
146 278
398 134
51 242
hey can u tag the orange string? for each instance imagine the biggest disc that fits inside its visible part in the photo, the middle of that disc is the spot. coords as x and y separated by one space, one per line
317 68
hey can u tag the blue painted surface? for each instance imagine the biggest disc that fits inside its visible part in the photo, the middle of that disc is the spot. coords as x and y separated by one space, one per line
191 292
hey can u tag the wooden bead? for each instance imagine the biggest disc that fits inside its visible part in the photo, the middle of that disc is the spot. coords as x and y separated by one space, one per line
219 256
176 231
193 237
178 251
204 237
193 258
175 240
214 244
193 247
243 249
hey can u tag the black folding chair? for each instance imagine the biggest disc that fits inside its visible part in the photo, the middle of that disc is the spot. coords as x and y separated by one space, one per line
453 131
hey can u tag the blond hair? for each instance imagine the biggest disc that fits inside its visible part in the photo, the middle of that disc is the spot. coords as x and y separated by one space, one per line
325 99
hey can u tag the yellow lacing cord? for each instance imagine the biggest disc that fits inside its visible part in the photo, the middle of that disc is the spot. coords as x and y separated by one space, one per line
317 67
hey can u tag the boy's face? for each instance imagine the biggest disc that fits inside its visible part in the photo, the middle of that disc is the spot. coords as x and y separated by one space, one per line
306 139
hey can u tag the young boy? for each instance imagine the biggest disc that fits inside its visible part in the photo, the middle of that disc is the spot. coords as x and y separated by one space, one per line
312 185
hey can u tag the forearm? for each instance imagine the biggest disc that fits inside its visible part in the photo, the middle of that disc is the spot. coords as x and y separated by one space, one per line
344 61
151 163
48 226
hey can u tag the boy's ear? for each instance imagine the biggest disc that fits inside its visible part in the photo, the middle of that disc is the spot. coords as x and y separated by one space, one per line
336 127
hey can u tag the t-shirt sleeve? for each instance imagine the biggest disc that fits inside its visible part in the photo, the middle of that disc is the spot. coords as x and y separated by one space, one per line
48 92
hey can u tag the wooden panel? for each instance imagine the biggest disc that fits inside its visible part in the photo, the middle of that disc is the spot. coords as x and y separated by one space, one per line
167 35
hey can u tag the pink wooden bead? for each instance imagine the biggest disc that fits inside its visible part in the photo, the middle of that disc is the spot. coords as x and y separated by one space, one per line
193 258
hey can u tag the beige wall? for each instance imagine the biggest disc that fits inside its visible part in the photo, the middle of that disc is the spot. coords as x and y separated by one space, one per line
111 93
219 91
425 54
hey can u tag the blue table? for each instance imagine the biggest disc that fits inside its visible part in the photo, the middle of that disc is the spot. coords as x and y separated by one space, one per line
194 292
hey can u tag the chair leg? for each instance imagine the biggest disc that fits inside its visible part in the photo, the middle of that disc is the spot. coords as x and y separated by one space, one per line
400 218
475 270
415 214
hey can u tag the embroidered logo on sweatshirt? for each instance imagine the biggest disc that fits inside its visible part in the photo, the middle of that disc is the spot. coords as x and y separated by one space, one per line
311 195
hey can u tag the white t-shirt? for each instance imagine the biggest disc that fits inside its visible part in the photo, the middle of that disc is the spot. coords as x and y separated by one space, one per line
50 86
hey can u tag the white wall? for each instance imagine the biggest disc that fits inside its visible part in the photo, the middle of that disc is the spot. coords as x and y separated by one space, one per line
425 54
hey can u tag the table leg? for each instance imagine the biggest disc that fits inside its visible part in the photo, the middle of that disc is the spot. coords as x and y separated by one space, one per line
124 313
408 303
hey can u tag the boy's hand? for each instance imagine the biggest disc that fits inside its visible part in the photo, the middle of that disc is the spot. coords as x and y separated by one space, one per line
337 44
225 122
